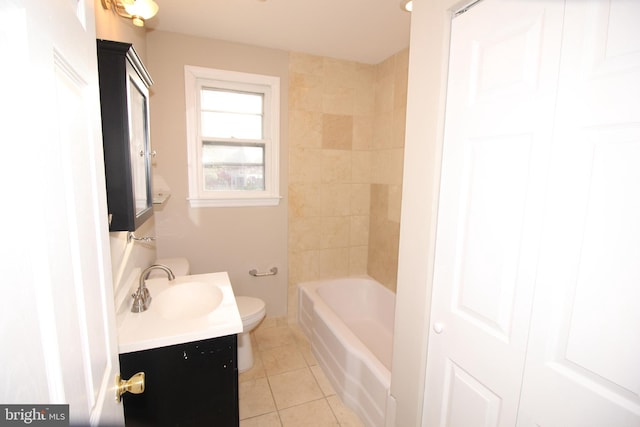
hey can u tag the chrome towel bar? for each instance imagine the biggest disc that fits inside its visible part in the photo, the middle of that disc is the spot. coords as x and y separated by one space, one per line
133 237
271 272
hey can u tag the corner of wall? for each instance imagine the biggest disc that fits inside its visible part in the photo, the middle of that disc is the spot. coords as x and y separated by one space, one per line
127 256
387 165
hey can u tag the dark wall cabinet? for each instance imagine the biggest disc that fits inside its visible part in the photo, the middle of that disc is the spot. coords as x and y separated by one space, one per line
124 102
192 384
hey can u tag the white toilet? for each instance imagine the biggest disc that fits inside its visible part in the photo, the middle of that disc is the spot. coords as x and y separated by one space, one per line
252 311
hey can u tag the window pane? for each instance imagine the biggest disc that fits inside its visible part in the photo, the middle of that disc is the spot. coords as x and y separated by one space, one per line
230 101
231 125
230 167
231 114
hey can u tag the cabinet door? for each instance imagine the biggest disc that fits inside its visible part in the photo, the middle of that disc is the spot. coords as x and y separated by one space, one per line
139 144
193 384
124 102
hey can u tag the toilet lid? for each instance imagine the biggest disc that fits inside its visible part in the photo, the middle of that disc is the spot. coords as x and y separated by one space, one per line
250 307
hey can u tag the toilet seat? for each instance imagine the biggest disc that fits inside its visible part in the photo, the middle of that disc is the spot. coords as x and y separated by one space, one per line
251 309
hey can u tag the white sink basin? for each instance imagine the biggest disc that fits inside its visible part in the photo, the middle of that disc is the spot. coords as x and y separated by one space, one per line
189 308
187 300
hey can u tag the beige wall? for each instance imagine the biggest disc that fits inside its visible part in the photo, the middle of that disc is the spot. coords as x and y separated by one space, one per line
235 240
127 258
430 25
346 130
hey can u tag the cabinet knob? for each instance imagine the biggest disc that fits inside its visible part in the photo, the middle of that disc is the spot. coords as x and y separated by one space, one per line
134 385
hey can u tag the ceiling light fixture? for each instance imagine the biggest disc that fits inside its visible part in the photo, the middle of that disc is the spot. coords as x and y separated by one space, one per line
407 5
136 10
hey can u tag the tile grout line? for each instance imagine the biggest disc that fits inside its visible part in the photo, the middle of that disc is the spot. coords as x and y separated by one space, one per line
325 397
308 367
302 346
266 375
315 378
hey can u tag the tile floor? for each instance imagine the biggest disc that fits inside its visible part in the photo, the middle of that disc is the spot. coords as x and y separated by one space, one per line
286 387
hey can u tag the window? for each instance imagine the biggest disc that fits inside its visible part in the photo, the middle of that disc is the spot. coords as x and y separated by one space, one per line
233 122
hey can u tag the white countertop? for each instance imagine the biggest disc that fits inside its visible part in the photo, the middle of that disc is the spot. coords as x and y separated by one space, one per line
146 330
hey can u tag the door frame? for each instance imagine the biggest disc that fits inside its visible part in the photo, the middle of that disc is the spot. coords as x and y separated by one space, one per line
426 101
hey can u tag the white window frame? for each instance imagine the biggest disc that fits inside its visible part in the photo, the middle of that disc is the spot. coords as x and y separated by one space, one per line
199 77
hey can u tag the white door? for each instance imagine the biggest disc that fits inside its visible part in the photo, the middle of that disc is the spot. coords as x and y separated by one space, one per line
537 245
583 364
57 311
501 91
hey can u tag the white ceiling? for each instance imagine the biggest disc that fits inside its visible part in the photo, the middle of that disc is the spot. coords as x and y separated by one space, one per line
366 31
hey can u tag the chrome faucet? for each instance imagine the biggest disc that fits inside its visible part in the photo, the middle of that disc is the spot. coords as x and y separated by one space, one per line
142 297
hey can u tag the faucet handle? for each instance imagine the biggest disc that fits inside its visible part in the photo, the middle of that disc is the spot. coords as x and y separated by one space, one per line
141 300
146 296
139 304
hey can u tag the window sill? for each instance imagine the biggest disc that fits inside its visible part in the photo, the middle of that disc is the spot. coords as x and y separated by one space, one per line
235 202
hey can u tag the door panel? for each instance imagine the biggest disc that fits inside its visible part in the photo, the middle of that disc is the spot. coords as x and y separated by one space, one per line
500 99
608 268
75 217
492 202
468 401
582 364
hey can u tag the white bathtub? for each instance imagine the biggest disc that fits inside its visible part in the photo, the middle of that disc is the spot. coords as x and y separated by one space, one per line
349 322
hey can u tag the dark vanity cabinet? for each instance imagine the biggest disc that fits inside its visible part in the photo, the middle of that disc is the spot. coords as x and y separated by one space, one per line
124 102
191 384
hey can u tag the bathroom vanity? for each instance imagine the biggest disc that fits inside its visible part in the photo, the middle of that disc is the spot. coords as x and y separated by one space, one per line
186 345
190 384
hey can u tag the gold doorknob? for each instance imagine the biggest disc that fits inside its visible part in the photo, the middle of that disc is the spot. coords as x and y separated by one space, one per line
134 385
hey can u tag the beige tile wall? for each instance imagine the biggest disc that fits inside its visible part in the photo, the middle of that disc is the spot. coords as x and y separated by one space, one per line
346 139
387 156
